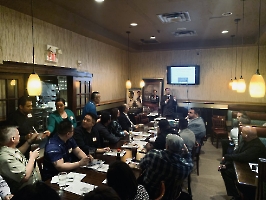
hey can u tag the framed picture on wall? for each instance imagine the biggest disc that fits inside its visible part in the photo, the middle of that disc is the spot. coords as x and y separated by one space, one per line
152 92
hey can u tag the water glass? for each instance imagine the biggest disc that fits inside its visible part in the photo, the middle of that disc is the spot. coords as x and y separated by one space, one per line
62 177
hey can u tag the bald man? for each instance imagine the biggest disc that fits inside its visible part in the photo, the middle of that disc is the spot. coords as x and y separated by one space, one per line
249 150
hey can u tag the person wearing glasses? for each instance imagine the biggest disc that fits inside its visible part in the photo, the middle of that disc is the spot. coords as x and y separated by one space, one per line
16 169
59 151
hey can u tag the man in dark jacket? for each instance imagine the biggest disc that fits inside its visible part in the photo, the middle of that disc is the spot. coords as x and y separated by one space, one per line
168 104
249 150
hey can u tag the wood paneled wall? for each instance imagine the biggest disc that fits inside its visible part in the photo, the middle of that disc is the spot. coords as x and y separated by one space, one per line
215 71
109 64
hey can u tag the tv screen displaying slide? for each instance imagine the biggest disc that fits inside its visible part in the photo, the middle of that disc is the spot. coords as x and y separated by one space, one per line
183 75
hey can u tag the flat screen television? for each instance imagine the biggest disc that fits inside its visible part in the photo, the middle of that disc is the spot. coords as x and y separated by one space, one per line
183 75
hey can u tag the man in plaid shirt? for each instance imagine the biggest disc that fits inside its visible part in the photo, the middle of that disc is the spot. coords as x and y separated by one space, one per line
171 166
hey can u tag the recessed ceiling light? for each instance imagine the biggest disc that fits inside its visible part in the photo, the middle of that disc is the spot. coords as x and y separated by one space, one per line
133 24
226 14
225 31
152 37
99 0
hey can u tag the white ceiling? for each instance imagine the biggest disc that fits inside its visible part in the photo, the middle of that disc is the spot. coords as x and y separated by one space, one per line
108 21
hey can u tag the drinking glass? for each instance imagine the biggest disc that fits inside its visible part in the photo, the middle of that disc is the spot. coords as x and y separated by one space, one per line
134 152
62 177
34 146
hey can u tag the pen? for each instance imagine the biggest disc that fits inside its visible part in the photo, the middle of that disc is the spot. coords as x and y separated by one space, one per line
34 129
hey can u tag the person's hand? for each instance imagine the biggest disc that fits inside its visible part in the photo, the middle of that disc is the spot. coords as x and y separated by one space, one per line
125 132
84 161
32 137
106 149
174 98
46 134
91 158
9 196
34 154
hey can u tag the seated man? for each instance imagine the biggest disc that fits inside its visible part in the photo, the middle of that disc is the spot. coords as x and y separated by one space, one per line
15 168
163 130
196 124
170 165
124 120
87 137
102 128
187 135
243 119
249 150
58 152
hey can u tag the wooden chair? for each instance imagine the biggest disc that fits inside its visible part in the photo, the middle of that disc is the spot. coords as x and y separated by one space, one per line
196 154
261 186
218 129
162 191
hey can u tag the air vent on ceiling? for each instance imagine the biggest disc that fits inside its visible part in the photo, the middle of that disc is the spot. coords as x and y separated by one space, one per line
151 41
174 17
184 33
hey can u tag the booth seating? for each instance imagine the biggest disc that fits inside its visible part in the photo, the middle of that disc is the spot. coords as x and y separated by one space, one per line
256 113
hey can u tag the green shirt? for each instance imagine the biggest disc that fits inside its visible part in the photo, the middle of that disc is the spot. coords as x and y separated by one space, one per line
13 168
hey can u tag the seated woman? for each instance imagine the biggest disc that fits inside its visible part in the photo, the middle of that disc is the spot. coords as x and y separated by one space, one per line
60 114
114 126
122 179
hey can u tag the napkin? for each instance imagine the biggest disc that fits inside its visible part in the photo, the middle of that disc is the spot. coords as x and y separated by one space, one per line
80 188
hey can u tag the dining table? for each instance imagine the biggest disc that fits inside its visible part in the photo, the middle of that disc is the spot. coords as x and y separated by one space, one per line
95 177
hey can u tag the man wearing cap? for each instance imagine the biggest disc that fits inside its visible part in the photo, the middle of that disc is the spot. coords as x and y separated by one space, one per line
171 166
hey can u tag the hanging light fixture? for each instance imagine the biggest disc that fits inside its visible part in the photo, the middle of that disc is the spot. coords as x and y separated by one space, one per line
142 84
235 82
128 83
241 85
231 80
34 85
257 83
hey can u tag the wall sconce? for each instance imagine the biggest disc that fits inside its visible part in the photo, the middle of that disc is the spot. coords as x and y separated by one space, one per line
142 84
13 82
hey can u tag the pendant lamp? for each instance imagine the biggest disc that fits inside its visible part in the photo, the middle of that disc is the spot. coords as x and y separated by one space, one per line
34 85
235 82
128 83
257 83
241 85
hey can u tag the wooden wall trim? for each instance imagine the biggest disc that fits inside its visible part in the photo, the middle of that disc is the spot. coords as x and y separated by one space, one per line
105 105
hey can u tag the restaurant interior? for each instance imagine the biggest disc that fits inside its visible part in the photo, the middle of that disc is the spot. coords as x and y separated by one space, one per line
126 49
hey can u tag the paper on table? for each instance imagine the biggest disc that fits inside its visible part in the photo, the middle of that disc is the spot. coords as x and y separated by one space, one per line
152 131
113 152
80 188
152 139
129 145
95 164
103 168
72 176
256 167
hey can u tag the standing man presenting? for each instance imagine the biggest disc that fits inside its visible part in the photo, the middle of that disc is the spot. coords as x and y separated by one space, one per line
168 104
90 107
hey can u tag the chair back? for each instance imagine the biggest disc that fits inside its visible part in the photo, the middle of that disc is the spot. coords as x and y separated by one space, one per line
261 186
162 191
218 123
